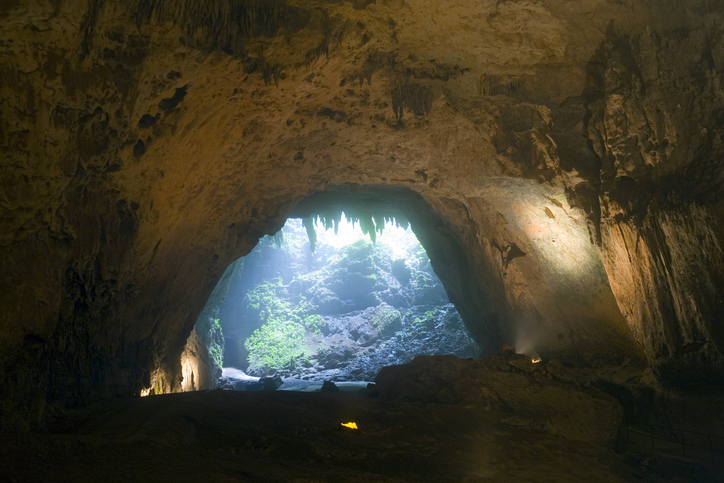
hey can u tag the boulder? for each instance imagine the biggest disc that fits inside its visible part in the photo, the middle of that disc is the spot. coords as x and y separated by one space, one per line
327 302
271 383
329 386
350 285
363 331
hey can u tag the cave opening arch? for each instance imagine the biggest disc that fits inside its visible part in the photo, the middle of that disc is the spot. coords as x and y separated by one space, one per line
447 255
544 296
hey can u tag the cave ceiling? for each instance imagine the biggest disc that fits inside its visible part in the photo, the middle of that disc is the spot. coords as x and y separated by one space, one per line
564 159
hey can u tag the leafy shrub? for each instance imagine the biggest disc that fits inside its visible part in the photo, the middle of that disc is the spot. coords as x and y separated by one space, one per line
281 339
264 299
313 323
275 344
216 346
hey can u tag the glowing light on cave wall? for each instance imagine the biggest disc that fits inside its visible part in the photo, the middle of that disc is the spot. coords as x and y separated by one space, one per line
157 386
561 275
190 370
560 237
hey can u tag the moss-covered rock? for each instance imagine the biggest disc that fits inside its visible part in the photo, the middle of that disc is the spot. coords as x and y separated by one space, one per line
351 285
276 345
385 318
427 321
327 302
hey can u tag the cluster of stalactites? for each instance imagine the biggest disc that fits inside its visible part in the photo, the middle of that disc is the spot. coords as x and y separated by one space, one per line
370 223
224 18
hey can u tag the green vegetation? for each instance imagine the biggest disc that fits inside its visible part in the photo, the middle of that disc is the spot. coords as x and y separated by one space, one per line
275 344
364 257
424 280
216 347
313 323
281 337
352 307
209 331
358 257
385 318
427 321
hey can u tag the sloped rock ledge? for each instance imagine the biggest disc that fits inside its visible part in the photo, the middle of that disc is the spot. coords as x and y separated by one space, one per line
537 396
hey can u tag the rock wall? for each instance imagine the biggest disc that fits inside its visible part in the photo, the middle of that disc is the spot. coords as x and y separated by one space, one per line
565 159
655 126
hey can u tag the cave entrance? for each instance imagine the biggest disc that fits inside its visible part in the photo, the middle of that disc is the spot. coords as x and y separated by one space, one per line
334 296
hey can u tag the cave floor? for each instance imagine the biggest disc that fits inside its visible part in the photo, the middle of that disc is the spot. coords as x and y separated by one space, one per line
297 437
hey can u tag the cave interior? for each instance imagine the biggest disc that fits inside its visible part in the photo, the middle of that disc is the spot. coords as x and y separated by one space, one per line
560 162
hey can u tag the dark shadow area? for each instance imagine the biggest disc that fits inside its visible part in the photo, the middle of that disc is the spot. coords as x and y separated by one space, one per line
436 419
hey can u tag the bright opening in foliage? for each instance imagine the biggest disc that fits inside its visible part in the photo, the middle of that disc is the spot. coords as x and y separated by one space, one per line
364 298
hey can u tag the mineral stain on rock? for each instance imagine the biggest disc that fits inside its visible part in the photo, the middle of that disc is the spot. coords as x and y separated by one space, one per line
147 121
336 116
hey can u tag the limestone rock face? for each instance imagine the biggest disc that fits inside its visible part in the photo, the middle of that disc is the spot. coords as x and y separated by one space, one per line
560 161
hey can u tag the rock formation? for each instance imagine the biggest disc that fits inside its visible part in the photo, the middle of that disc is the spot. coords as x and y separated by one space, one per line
560 161
532 395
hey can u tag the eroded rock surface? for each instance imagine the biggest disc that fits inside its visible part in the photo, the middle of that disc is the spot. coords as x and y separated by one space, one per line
560 161
534 397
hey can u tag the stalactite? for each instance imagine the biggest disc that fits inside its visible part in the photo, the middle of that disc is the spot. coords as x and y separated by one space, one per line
88 26
227 24
370 223
224 20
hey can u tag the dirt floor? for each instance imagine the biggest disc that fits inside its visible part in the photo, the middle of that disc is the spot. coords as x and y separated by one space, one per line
230 436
